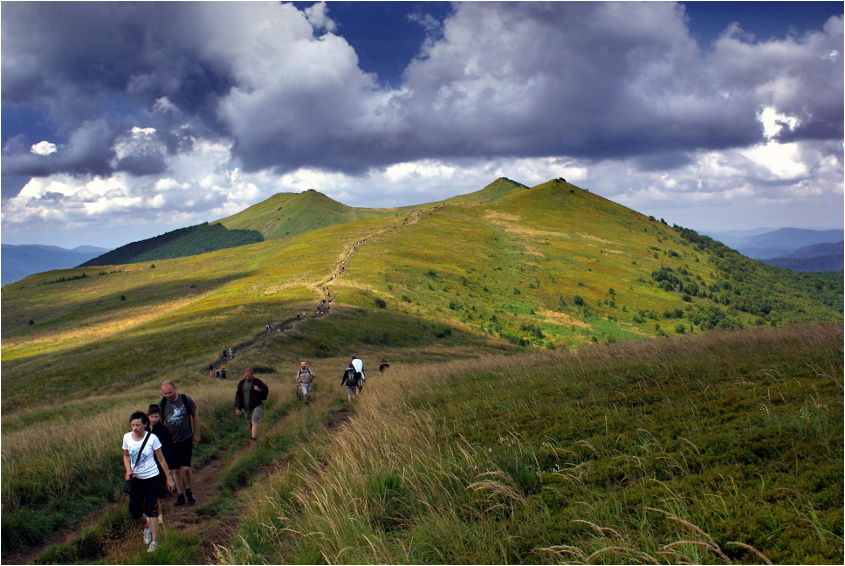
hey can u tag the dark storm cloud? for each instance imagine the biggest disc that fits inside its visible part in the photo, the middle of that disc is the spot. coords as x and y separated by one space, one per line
96 68
530 79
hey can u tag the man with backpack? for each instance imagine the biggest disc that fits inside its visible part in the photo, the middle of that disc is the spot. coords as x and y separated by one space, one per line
305 381
350 380
180 416
249 397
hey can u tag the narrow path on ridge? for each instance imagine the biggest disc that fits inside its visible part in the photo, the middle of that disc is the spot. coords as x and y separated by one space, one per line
320 289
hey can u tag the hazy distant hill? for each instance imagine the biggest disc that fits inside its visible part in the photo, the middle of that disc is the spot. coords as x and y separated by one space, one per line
20 261
818 257
778 243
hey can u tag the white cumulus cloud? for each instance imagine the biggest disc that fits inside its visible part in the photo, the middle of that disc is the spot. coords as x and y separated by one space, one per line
43 148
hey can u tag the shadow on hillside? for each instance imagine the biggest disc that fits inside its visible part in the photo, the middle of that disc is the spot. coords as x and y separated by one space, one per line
126 335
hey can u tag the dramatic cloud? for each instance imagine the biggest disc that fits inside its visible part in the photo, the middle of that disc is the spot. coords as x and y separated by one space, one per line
191 110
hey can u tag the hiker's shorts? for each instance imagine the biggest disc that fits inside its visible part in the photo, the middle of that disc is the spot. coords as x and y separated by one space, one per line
350 390
182 452
144 497
255 414
306 388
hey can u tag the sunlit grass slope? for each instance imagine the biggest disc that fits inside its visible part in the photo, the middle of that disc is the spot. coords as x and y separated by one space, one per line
556 266
713 449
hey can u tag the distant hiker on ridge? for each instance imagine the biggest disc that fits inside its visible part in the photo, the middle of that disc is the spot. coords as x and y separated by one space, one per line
249 397
182 419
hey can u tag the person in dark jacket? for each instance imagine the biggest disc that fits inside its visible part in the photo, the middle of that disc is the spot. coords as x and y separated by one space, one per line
157 428
249 398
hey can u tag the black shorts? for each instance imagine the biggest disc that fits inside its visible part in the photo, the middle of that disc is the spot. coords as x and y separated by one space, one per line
144 497
182 452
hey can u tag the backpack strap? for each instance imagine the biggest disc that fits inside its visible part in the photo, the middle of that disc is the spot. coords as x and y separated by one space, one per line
138 457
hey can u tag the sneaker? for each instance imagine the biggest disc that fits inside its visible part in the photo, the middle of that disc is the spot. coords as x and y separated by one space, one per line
153 546
180 500
148 536
190 497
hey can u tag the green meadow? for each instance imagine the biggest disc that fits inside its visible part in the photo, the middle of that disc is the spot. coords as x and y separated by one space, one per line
570 381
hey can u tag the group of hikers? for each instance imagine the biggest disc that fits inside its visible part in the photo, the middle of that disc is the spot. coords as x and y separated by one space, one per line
157 451
160 444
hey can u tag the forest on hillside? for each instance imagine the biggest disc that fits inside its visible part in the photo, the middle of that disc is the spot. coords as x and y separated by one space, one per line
194 240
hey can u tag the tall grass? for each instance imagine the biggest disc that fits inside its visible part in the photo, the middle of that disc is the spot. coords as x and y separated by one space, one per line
713 449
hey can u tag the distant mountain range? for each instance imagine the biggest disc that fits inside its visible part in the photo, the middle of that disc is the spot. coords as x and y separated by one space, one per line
791 248
818 257
290 214
20 261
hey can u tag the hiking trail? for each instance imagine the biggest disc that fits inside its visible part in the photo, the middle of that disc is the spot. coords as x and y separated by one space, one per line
216 531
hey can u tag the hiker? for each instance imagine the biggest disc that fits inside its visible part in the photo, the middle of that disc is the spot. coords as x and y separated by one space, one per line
223 373
157 428
182 419
383 365
249 397
267 329
305 381
231 354
141 451
358 364
224 355
350 380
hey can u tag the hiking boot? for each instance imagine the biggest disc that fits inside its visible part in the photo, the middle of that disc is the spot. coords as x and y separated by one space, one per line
148 536
190 497
153 546
254 440
180 500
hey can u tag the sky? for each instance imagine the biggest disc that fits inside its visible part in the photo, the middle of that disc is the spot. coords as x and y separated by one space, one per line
122 121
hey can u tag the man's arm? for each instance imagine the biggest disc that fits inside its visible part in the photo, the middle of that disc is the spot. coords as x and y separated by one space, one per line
195 417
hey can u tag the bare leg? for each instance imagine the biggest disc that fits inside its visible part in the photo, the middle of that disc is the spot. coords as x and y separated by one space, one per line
152 522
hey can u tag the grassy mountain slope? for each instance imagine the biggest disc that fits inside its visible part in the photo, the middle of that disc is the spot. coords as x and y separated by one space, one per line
290 214
497 190
553 266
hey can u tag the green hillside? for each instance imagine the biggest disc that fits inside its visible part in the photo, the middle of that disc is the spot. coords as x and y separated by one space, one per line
506 270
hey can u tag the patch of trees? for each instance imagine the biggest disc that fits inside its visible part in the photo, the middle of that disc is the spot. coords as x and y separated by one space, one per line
194 240
752 287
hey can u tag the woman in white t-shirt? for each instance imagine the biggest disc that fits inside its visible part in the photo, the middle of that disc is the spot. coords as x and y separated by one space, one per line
143 500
